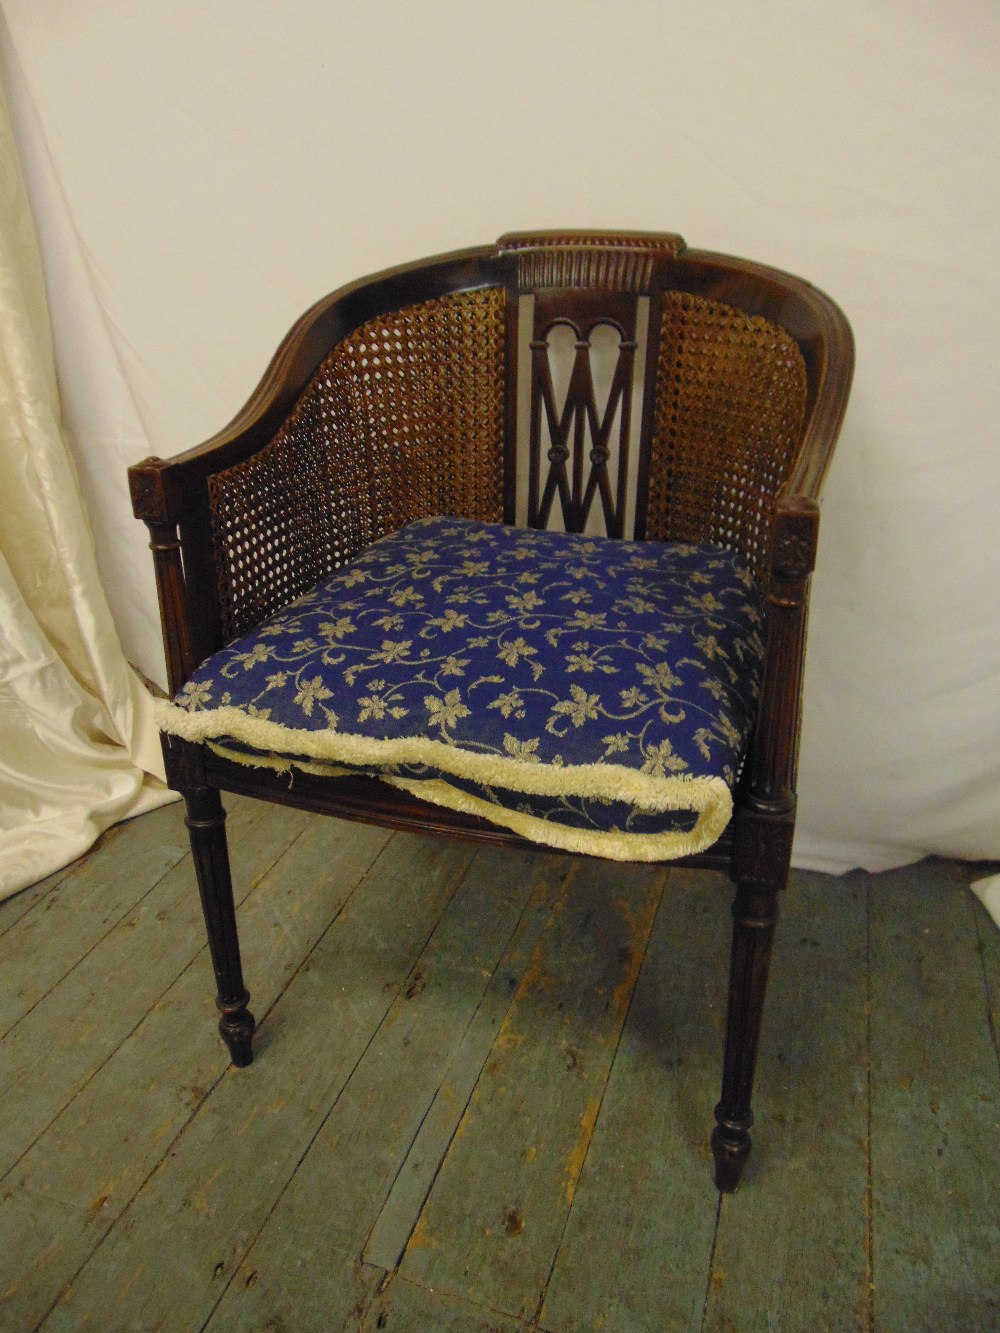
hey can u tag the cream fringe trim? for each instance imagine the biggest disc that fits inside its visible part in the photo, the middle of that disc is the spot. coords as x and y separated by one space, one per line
709 797
612 845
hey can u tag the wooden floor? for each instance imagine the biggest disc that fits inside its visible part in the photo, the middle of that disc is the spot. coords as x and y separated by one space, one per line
483 1094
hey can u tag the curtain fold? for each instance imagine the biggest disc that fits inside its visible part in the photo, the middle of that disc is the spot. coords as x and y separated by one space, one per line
78 745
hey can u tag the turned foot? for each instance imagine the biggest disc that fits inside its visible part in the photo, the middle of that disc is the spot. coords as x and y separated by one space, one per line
236 1027
754 913
206 823
730 1148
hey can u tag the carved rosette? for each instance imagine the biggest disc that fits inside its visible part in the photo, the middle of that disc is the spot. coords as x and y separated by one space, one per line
145 484
763 849
795 538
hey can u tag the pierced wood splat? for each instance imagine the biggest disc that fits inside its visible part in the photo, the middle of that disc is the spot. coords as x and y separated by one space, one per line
579 448
585 286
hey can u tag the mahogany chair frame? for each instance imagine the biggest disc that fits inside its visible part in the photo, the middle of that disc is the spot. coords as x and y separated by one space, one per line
576 278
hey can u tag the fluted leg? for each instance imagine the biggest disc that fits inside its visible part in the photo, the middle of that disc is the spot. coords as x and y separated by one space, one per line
755 912
206 822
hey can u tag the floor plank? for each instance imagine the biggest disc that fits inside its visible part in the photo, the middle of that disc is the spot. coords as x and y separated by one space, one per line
404 1307
340 1184
202 1209
791 1251
988 936
451 1068
493 1221
935 1094
80 1023
303 1296
81 907
395 1223
647 1179
27 900
94 1162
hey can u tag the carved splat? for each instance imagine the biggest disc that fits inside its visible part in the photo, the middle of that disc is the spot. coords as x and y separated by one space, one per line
579 440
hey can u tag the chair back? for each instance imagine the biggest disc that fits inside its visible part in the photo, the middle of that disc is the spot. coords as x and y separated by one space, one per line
605 383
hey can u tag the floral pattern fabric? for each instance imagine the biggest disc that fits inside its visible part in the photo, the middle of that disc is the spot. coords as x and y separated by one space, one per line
592 693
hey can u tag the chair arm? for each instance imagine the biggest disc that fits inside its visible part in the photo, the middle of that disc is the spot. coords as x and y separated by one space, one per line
774 752
174 497
171 497
829 356
774 760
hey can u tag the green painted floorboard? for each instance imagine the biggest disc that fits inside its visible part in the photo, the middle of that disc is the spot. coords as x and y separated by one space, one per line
792 1249
492 1224
339 1186
82 907
645 1186
202 1208
483 1095
934 1111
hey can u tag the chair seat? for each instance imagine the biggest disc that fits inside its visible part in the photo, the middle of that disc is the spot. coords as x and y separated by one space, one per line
591 694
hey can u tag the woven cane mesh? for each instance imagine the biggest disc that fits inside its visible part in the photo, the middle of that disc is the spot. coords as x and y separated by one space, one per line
730 397
403 420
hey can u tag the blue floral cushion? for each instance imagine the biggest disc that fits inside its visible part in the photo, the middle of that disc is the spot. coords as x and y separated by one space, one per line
592 694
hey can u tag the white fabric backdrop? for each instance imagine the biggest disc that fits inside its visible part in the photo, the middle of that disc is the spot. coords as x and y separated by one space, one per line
76 726
203 171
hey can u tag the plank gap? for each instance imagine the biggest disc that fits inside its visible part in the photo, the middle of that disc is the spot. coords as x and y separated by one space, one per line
711 1262
403 1206
869 1177
603 1093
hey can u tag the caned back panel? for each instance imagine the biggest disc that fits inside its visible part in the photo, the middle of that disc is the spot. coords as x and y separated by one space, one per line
404 419
729 403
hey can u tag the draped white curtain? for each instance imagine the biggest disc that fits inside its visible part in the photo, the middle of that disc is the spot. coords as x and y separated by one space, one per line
77 745
202 170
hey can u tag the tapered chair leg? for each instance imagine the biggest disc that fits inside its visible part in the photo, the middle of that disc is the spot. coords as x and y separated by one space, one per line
206 822
755 912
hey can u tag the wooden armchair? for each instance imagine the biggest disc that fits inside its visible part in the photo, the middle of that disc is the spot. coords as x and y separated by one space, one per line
420 419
